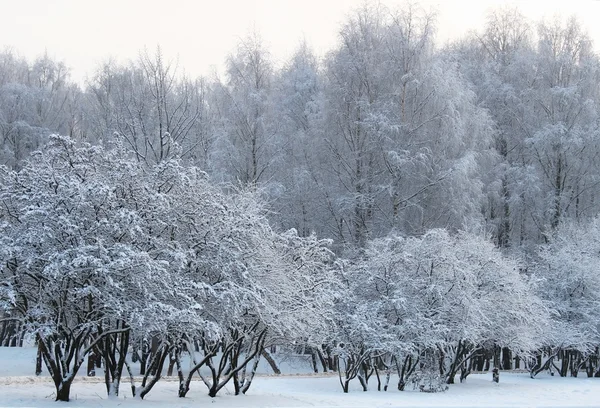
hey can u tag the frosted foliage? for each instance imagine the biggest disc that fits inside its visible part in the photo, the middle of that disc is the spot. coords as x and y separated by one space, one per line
393 207
97 243
568 273
438 287
406 139
437 298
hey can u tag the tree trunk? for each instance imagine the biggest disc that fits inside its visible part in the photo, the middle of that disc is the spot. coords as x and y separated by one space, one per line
388 375
38 361
323 360
506 359
155 368
346 386
273 364
405 372
144 354
539 366
171 366
564 366
378 378
91 365
313 360
63 390
154 350
363 382
249 377
466 370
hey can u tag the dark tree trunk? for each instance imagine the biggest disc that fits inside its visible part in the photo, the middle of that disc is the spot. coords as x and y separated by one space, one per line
590 364
565 361
153 350
63 390
229 366
506 359
541 366
346 381
273 364
184 384
496 356
3 337
313 360
404 373
143 356
156 367
322 359
466 370
363 383
171 365
113 351
378 378
479 362
577 362
486 366
91 365
38 360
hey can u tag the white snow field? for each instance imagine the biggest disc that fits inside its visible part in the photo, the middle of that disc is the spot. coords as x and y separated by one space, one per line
18 388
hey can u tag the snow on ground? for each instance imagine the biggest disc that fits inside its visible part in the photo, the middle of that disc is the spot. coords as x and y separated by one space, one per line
514 390
20 361
19 389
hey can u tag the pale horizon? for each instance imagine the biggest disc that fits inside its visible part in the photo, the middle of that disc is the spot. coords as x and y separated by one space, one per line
199 34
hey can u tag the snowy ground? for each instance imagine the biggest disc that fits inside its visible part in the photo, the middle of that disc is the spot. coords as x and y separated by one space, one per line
19 389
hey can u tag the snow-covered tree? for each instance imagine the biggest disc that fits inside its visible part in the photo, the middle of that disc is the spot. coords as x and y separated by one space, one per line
101 251
408 144
248 141
441 298
159 113
567 270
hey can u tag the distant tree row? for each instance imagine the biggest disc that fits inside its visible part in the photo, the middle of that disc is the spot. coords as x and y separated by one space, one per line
386 133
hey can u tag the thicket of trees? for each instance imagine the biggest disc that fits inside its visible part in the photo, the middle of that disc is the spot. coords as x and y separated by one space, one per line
103 253
394 207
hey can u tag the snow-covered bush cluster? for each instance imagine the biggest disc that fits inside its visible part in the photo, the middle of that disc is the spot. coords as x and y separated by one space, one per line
101 253
434 302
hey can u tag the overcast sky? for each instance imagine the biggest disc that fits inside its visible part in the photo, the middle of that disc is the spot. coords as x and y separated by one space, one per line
201 33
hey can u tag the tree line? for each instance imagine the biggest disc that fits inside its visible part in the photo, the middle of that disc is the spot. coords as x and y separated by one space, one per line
397 207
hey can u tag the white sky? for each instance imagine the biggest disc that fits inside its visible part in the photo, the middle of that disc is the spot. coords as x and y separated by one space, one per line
201 33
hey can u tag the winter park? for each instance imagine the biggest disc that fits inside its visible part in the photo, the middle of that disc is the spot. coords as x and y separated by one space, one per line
389 204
